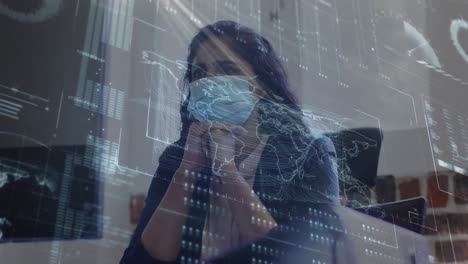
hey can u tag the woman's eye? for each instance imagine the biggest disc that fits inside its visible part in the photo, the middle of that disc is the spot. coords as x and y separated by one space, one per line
231 70
198 74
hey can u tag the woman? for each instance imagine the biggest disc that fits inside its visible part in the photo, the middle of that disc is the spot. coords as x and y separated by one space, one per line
244 156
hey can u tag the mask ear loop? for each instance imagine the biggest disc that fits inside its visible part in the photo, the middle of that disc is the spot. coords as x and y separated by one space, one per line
250 83
254 87
253 77
256 97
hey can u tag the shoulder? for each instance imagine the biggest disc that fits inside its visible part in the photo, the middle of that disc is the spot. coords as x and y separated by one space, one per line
171 157
300 148
318 179
169 162
321 169
321 153
321 145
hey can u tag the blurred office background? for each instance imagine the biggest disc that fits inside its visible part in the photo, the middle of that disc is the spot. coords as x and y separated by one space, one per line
90 93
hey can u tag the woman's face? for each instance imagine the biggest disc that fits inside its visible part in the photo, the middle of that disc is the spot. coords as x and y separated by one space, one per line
215 58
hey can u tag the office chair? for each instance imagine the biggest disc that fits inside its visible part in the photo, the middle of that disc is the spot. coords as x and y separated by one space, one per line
358 156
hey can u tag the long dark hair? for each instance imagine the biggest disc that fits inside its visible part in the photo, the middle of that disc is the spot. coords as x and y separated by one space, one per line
255 50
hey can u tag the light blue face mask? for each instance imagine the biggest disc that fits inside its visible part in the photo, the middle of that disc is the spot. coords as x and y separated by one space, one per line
225 98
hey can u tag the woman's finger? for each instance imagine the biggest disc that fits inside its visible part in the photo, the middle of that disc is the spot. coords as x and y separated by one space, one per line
234 129
198 128
239 130
217 125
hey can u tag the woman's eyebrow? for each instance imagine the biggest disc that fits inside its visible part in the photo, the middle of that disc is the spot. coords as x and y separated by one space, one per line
199 66
224 63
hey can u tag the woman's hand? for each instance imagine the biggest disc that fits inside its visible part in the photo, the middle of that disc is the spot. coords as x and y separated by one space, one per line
195 156
222 140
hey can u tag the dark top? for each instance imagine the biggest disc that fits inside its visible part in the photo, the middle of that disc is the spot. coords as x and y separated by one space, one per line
289 171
